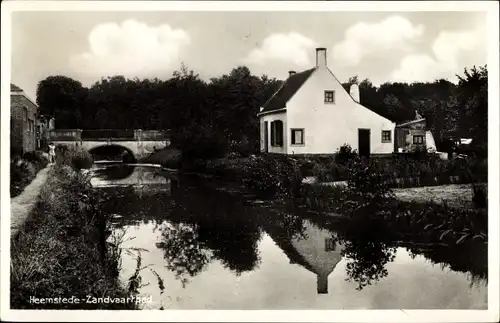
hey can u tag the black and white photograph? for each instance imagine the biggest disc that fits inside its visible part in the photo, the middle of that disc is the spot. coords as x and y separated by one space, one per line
221 161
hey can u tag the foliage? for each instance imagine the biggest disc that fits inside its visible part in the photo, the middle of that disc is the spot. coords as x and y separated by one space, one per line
75 157
271 176
62 98
345 155
206 118
24 169
427 169
367 185
62 249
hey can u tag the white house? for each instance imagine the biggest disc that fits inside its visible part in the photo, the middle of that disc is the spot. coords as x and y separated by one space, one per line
313 114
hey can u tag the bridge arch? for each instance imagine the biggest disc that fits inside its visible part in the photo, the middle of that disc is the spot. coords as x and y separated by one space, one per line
114 148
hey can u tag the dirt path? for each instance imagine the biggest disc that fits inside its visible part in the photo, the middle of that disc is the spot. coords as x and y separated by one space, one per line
21 205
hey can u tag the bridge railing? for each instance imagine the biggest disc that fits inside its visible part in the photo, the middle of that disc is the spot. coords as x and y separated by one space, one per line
65 135
107 134
90 134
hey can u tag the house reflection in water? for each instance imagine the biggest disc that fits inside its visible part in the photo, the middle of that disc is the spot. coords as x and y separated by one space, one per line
315 249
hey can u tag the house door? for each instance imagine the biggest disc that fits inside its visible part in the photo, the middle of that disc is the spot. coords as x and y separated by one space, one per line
364 142
266 137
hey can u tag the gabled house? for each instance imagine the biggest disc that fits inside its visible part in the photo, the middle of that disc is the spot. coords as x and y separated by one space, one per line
312 114
23 121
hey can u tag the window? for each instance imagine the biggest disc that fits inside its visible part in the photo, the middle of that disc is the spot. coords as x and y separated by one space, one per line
25 114
329 96
386 136
330 244
297 136
277 133
418 139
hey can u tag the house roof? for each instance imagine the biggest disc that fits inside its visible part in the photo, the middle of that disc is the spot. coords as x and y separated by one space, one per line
410 122
292 84
15 88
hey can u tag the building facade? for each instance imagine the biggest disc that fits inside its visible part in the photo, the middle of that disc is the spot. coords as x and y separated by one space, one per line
23 132
312 114
413 136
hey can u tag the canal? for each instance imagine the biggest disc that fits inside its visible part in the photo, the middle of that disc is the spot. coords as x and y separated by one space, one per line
202 248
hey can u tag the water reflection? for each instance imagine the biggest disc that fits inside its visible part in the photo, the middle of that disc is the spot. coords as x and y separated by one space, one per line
184 254
309 246
214 251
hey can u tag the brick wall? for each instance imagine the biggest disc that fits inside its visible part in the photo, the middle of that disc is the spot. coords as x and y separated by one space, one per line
23 123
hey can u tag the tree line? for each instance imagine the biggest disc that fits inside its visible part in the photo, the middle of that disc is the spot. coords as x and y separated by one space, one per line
208 118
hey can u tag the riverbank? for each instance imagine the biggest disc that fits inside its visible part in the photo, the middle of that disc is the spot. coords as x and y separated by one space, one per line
62 250
368 201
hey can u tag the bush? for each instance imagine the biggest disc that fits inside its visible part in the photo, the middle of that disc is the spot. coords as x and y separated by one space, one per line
479 196
75 157
23 170
367 186
273 176
345 155
37 158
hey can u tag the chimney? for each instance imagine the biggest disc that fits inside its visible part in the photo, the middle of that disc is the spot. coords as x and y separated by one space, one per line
290 73
321 57
322 283
354 92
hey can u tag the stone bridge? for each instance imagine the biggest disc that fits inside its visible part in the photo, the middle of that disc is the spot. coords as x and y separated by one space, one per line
138 143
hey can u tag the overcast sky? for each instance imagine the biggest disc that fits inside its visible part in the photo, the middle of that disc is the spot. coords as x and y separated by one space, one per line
382 46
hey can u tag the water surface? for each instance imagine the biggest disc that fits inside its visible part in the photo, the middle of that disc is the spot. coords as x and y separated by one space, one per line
216 251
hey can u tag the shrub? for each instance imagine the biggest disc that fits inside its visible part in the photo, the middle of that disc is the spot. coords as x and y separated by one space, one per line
479 196
273 176
345 155
367 185
75 157
37 158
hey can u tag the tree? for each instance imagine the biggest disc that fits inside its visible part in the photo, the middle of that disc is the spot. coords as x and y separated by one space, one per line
472 95
63 98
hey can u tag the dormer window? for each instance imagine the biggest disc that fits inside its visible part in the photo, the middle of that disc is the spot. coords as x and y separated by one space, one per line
330 97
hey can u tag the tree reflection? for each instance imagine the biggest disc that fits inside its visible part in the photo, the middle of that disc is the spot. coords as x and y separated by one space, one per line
236 248
367 261
183 253
224 225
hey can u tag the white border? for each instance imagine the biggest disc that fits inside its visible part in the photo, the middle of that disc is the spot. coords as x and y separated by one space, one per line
490 315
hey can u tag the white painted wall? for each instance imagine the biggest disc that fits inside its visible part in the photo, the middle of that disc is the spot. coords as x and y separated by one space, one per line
329 126
270 118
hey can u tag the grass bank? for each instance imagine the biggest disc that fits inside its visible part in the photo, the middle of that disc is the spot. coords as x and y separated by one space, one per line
62 249
23 169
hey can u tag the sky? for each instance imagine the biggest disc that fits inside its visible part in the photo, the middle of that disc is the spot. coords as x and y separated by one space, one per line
381 46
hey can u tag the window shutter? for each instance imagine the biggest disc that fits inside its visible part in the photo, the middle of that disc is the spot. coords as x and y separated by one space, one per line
273 133
280 133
